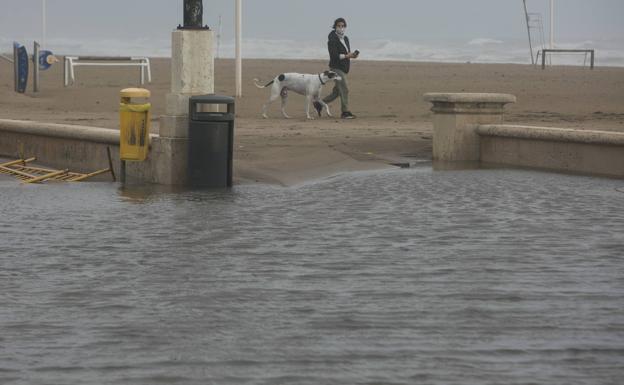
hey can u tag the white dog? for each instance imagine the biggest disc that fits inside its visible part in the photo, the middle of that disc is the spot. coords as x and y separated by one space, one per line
308 85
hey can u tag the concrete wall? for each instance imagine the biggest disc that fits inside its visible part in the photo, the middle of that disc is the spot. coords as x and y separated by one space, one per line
468 128
589 152
78 148
456 119
83 149
166 163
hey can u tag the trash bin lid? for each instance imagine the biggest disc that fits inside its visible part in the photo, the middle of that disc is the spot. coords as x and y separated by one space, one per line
134 93
212 99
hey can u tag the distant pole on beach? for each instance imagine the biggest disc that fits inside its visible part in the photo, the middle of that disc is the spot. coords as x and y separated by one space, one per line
239 40
43 23
36 72
552 24
219 30
526 13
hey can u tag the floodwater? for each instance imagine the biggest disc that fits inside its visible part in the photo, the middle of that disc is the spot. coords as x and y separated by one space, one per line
396 277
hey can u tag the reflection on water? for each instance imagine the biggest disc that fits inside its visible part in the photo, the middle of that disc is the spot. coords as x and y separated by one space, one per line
402 277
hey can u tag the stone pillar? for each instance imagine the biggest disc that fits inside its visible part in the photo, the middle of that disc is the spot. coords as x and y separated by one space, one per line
456 117
192 73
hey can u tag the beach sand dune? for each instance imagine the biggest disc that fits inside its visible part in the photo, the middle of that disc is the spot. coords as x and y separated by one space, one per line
393 125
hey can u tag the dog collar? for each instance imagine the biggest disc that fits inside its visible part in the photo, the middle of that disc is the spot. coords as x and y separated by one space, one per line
321 79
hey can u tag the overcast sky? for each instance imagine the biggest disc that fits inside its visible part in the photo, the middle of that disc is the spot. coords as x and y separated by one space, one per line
410 20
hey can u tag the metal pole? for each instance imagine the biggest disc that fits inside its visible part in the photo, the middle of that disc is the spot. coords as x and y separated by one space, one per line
239 60
593 56
552 24
526 12
35 60
219 30
65 72
43 23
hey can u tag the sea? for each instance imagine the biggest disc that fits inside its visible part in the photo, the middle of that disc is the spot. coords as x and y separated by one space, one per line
407 276
609 52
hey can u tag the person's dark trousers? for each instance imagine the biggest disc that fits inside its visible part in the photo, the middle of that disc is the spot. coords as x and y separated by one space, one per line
341 88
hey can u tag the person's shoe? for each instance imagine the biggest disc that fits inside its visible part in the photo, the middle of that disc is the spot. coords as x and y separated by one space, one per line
347 115
318 107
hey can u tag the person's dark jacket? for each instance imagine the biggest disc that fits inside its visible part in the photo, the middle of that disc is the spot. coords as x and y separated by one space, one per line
336 48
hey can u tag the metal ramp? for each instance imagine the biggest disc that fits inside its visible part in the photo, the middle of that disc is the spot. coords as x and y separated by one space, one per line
22 170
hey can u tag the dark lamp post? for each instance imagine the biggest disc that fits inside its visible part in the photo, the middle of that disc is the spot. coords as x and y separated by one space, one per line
193 15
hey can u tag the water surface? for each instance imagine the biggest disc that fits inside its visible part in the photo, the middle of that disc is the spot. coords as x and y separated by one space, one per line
400 277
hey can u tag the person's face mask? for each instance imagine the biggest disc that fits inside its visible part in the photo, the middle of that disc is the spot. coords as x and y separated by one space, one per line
341 30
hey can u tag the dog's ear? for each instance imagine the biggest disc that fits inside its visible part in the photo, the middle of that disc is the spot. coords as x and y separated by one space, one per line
326 73
331 74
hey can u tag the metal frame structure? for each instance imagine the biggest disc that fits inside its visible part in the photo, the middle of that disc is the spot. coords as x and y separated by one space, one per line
70 62
535 23
591 52
21 170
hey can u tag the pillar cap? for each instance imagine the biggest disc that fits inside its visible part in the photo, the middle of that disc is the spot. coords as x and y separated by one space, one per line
469 103
449 97
135 93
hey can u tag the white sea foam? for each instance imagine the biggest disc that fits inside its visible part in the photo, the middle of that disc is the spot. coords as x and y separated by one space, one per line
484 41
477 50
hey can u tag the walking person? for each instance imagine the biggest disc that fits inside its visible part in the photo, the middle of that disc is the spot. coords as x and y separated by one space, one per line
340 56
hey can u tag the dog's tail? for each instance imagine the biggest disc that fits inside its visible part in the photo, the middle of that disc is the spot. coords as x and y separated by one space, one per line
261 86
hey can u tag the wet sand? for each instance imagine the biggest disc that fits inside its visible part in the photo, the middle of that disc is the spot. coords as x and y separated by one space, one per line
393 125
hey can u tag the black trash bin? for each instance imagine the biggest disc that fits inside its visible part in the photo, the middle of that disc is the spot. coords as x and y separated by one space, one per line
211 141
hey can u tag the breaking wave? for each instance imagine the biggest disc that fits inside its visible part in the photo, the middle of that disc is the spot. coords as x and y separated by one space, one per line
477 50
483 41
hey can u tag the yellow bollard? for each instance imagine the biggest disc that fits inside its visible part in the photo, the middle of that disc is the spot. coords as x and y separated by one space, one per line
134 125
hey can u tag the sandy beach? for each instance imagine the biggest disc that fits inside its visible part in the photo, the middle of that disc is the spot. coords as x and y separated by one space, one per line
393 125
